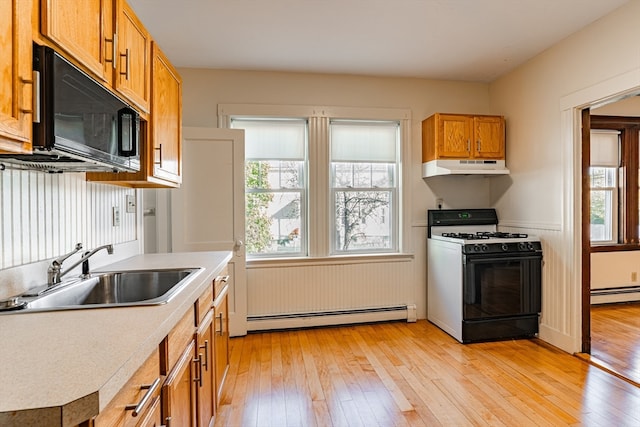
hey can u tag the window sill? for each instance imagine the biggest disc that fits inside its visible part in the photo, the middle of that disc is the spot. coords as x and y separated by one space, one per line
615 248
334 260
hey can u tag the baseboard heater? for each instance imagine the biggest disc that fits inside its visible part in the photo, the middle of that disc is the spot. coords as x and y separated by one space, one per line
615 294
331 317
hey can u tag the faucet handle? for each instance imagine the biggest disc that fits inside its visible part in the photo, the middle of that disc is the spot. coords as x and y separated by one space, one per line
58 261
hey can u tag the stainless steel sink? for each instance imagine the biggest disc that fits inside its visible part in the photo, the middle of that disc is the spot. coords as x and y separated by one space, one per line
116 289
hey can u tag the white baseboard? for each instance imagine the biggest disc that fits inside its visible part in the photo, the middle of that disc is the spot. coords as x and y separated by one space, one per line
327 319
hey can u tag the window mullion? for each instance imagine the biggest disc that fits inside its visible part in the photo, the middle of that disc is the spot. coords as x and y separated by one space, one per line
319 196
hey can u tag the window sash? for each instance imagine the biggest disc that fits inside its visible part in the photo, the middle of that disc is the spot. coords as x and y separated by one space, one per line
604 205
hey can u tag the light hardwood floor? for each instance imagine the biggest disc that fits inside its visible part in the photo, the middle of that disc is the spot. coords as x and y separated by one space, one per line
413 374
615 338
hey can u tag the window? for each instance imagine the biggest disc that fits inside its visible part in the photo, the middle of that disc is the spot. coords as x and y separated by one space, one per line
603 185
363 185
614 191
321 183
275 189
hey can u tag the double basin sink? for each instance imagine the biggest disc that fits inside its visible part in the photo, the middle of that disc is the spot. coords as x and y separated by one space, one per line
111 289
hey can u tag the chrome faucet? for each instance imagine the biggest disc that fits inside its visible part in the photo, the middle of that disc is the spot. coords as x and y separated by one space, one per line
85 259
54 273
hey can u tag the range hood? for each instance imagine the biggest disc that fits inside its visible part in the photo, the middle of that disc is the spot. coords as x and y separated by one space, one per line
464 167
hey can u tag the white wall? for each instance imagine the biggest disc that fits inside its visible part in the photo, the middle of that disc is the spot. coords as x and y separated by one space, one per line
541 195
44 215
205 89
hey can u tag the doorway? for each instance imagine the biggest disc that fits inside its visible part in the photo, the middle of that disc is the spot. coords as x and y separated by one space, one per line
610 296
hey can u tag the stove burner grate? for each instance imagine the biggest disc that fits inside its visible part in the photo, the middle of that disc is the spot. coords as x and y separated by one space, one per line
480 235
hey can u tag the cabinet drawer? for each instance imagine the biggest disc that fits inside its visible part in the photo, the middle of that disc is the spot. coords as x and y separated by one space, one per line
204 304
141 390
177 340
220 282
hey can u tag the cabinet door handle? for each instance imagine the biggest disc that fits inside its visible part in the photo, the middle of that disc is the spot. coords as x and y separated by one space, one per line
137 409
198 362
159 150
126 64
114 42
222 279
35 96
478 146
468 145
221 327
167 422
205 346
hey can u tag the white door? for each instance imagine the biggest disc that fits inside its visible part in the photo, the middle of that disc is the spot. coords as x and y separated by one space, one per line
207 211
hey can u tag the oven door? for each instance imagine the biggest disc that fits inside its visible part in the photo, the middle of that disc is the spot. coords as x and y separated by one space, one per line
501 285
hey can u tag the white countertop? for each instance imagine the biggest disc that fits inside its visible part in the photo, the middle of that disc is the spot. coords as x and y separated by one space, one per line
51 359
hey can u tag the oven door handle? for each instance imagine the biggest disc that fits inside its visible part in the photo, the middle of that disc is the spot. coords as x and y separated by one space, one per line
487 258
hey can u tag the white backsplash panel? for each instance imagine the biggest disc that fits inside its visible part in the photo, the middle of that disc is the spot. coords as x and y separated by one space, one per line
44 215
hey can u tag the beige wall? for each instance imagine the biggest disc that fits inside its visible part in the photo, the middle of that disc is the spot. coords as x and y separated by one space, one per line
538 100
205 89
538 196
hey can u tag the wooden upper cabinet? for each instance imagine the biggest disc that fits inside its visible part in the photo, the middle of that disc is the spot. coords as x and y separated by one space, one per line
166 119
85 31
489 137
462 136
16 80
133 61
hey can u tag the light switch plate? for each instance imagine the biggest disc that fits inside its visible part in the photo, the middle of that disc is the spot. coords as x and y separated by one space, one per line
131 204
116 216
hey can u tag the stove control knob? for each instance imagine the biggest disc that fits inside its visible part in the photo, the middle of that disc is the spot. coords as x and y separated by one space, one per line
522 246
505 247
530 246
476 248
485 248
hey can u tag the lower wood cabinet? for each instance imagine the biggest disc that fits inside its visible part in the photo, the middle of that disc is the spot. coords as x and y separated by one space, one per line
221 340
180 384
154 417
179 391
133 404
206 405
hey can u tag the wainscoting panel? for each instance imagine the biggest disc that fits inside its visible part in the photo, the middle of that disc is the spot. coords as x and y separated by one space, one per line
44 215
299 292
557 317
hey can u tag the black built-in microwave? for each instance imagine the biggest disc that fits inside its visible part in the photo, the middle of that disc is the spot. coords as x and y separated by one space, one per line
79 125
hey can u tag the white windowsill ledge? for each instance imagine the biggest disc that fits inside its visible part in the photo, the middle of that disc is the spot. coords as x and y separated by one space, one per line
333 260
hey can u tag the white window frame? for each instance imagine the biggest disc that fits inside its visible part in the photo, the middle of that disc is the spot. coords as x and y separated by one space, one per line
393 208
319 195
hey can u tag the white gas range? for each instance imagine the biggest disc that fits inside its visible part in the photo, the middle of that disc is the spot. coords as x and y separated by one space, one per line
482 284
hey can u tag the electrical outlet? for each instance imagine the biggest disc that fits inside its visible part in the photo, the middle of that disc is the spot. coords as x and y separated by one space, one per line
634 276
131 204
116 216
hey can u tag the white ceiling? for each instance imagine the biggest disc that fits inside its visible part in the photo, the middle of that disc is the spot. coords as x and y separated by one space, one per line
471 40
